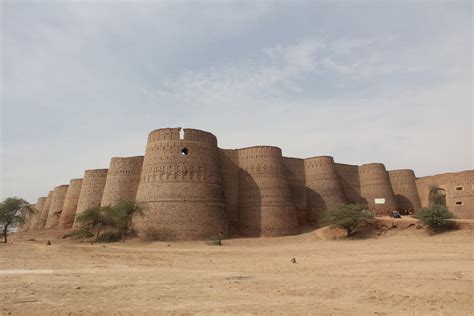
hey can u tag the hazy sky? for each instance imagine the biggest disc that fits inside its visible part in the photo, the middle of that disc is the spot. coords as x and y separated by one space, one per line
362 81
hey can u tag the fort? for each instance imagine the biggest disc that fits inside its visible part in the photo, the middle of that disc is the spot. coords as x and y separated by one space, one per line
191 189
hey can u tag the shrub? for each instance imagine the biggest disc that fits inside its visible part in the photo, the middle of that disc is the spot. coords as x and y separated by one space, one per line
80 233
216 240
109 237
436 217
349 217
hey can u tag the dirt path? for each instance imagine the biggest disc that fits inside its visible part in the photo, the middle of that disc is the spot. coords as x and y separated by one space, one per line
404 272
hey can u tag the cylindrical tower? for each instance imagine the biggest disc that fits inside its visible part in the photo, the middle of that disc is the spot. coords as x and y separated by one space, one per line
56 208
375 188
122 180
27 218
323 188
45 211
92 189
181 187
230 177
38 209
404 186
265 207
70 204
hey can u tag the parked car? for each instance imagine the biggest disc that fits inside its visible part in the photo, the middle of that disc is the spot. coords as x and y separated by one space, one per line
395 214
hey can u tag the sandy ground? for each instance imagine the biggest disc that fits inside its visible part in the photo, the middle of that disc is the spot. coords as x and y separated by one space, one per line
405 272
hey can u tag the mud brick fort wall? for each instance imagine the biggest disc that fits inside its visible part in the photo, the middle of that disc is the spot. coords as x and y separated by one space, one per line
92 190
71 200
56 207
458 189
191 189
122 180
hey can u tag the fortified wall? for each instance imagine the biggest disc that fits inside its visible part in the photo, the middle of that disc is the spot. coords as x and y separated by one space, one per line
191 189
457 189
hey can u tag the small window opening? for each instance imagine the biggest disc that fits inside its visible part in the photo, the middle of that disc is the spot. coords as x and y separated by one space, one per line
458 202
184 151
460 188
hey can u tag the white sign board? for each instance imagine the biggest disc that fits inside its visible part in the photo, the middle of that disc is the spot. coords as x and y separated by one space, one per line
379 201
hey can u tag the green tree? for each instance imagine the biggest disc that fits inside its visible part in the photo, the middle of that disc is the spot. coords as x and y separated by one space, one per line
436 217
13 211
95 218
121 215
350 217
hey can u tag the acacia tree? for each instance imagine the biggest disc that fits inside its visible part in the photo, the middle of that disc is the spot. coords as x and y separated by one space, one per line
436 217
348 216
121 215
95 218
13 211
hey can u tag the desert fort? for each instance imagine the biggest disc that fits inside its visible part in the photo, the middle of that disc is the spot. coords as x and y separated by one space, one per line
191 189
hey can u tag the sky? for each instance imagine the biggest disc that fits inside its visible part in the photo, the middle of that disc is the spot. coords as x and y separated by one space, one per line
362 81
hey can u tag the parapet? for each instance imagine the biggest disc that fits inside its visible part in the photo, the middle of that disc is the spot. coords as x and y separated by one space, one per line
56 208
70 204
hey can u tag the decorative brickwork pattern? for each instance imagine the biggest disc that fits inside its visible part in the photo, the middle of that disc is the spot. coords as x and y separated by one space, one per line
92 190
323 188
375 186
458 188
265 202
230 181
181 187
404 186
122 180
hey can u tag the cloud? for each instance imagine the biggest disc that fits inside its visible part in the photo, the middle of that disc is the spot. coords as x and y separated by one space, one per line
85 81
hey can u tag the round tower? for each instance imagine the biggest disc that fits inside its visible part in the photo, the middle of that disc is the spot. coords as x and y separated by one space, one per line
92 189
70 204
122 180
265 207
45 211
404 187
38 209
376 189
323 187
181 187
56 208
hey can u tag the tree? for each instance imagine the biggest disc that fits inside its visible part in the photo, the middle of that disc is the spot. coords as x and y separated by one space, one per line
349 217
95 218
13 211
121 215
435 217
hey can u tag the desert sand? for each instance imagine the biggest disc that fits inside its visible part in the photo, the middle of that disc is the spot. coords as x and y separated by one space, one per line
401 272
